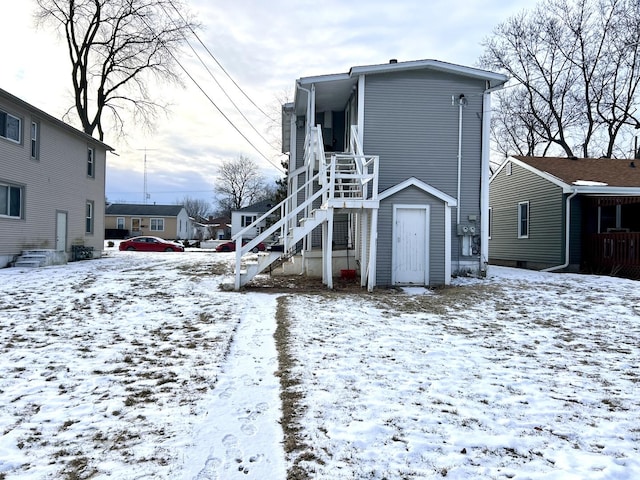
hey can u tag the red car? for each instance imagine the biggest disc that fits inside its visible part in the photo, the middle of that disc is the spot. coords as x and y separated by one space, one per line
150 244
231 247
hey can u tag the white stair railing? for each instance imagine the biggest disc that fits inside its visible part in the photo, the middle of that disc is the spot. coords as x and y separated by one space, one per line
347 175
281 224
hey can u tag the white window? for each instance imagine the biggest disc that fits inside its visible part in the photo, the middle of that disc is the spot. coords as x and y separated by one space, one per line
157 224
523 220
248 220
89 217
10 127
120 223
91 167
11 200
35 140
509 168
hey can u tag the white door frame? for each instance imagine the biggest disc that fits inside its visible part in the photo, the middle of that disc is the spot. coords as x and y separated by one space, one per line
61 231
394 242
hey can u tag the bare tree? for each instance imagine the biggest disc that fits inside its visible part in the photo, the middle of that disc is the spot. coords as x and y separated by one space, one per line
116 48
195 207
577 72
239 184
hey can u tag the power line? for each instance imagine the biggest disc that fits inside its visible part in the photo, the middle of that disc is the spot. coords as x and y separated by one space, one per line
218 83
161 192
215 105
217 62
223 114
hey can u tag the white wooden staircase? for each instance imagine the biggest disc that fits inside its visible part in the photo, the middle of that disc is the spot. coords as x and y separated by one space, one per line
335 181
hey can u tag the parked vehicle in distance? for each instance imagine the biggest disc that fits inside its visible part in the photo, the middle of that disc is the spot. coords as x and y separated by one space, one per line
150 244
231 247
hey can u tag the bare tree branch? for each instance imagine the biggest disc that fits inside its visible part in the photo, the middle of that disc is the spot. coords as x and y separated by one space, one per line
576 64
240 184
116 47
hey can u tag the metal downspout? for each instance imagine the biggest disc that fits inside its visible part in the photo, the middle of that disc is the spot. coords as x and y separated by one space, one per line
461 101
566 234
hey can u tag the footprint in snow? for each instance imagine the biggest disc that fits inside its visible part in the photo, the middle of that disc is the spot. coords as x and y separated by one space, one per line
210 470
249 381
226 393
232 452
248 427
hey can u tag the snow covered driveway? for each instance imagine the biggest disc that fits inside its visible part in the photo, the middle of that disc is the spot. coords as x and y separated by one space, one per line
138 366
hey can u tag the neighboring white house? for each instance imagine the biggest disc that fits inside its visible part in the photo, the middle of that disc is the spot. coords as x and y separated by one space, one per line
52 184
244 217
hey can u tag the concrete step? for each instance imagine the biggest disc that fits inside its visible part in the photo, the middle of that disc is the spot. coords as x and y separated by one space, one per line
28 263
36 258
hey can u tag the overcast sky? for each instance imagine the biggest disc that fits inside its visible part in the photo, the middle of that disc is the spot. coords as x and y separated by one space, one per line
265 45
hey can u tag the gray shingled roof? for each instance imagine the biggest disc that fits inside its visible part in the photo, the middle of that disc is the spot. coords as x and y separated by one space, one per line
259 207
143 210
52 119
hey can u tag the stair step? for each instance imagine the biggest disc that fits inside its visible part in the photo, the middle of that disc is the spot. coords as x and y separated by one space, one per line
28 263
40 258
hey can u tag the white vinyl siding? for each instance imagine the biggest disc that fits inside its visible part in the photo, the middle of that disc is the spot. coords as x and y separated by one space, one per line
55 182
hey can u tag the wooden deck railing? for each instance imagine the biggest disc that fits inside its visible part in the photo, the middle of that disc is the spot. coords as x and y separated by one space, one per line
609 250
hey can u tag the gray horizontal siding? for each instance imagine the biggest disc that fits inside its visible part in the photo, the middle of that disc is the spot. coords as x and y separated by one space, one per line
546 218
57 181
411 124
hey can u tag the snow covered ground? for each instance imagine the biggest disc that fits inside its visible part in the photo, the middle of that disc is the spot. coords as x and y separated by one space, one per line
139 366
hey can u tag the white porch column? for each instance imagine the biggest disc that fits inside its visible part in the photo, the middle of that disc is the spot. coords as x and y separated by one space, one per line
327 255
373 249
325 241
365 236
484 181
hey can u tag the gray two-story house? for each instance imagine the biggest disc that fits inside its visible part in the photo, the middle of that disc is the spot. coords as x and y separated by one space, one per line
52 184
388 174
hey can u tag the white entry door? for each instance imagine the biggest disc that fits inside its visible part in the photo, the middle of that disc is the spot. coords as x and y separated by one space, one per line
61 231
410 256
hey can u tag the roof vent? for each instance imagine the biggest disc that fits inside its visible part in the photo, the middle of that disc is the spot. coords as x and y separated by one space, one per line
632 164
393 60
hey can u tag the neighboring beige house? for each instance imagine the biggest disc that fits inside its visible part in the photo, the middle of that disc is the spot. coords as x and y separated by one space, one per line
52 184
170 222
